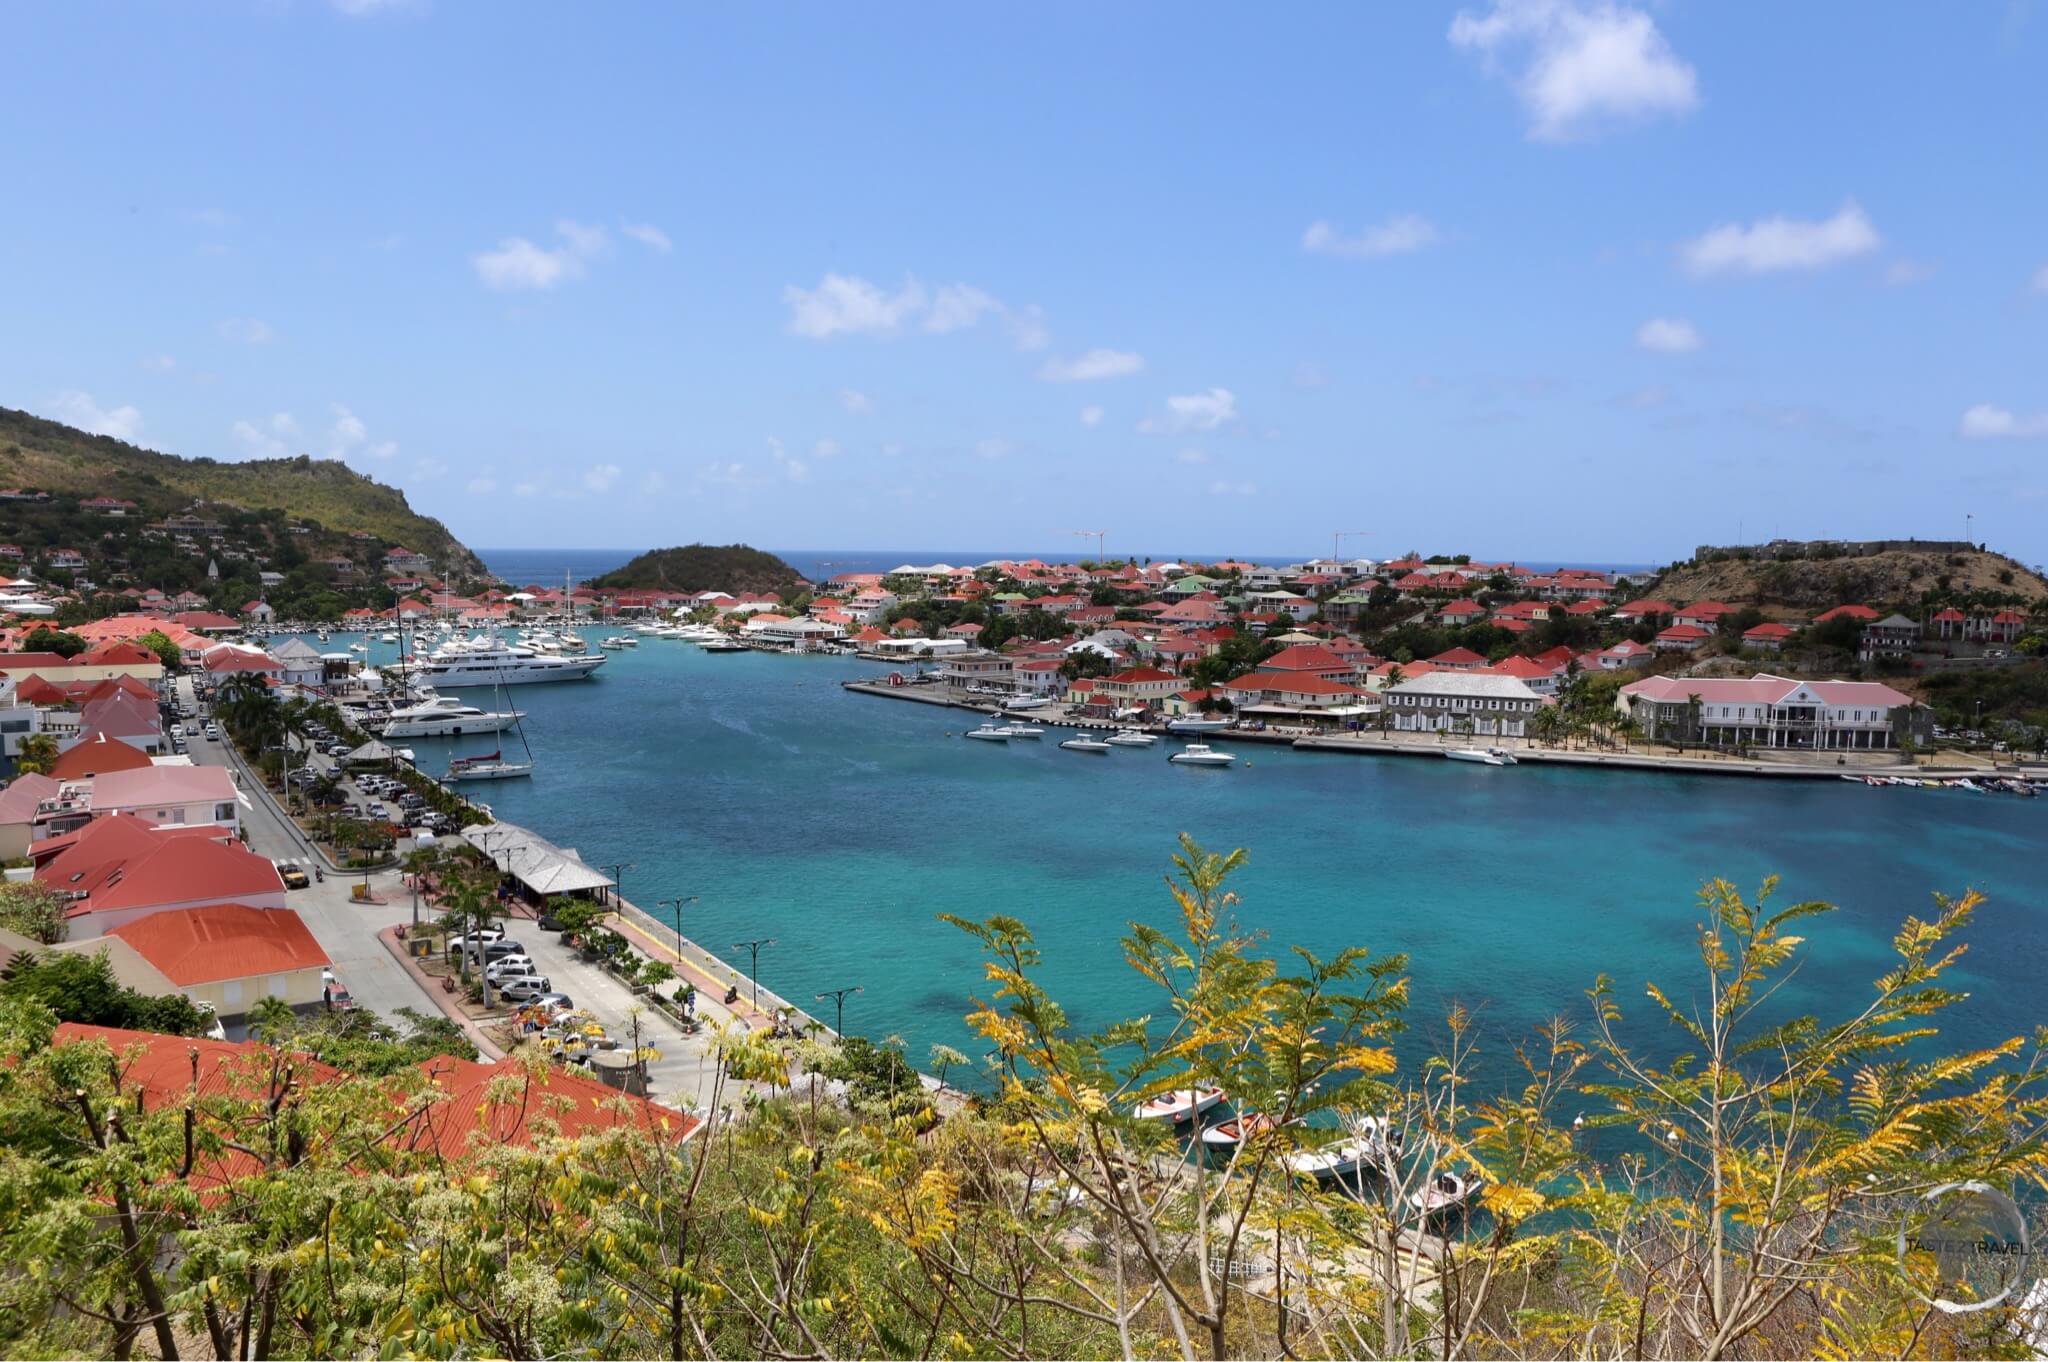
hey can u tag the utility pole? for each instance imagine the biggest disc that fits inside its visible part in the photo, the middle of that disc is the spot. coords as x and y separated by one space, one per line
753 949
838 997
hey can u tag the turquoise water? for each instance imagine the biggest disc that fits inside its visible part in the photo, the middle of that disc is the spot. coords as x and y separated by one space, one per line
841 824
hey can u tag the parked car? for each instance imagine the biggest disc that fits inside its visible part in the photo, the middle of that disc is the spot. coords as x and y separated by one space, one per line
506 965
456 943
339 999
528 990
559 1002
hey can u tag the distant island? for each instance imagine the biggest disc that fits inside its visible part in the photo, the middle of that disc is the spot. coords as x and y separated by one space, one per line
705 567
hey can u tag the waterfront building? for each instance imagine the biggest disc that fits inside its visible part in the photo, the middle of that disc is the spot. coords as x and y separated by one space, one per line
1480 703
1773 711
978 668
1139 684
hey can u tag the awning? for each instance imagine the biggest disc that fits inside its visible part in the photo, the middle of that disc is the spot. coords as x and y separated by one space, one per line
533 860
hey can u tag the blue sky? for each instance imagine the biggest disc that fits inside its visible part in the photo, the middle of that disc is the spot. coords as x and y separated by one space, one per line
1541 278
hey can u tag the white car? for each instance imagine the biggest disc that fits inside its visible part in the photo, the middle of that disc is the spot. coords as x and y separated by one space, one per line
528 989
508 966
482 934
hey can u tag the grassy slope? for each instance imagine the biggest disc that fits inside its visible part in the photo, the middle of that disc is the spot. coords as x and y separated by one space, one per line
60 459
1880 580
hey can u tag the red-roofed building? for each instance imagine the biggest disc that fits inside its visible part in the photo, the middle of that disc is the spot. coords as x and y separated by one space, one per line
1464 610
1312 659
1535 675
1458 659
92 755
230 955
1293 696
1769 636
1648 609
1680 638
1141 684
1862 614
1627 653
1705 615
119 869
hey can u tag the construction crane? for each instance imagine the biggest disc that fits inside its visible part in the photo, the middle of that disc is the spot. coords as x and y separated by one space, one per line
1338 538
1099 536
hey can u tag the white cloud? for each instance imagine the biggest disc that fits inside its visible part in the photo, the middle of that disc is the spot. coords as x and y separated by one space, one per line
1094 364
481 487
1193 411
845 304
1396 236
525 489
600 477
992 449
1901 272
647 234
732 475
1193 456
349 431
270 439
1781 243
790 466
159 364
429 469
2040 280
653 484
859 403
1668 335
518 263
1587 62
825 449
78 409
1091 416
1986 422
1222 487
247 331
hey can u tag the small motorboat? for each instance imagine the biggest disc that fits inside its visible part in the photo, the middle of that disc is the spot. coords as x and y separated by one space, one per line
990 733
490 766
1487 756
1085 744
1178 1106
1201 754
1228 1135
1132 737
1194 723
1025 730
1445 1193
1023 702
1372 1147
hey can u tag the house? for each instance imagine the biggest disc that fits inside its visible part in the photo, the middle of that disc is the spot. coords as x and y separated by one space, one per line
229 955
1862 614
1894 636
1312 659
1482 704
403 560
1291 697
1282 602
174 795
1140 685
20 804
299 663
70 560
1037 676
1680 638
1458 659
1772 711
1463 610
259 612
975 667
1769 637
1540 677
118 869
97 754
967 630
1703 615
106 506
1633 612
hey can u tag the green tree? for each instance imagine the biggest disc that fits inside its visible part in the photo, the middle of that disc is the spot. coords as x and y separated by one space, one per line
32 909
37 755
158 642
43 639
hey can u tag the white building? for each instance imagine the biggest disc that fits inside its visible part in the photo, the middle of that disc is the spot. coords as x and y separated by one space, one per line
1773 711
1479 703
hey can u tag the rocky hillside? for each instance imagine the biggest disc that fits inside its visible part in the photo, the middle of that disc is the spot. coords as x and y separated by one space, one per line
52 457
1898 577
706 567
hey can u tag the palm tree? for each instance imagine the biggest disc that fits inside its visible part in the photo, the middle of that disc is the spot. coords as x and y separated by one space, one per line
38 754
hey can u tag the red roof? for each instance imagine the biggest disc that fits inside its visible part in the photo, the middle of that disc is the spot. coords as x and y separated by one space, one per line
10 661
1526 668
96 754
1456 657
115 652
222 941
1645 607
1769 629
1305 657
1854 612
1304 683
1136 675
120 861
1684 633
1705 609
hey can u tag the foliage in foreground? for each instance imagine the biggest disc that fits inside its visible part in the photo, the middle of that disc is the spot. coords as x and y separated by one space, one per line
1732 1191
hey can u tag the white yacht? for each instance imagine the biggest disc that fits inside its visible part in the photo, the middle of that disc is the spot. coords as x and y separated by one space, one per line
1200 754
989 732
1084 743
387 637
1131 737
1023 702
1487 756
1195 723
723 645
444 716
489 766
1025 731
489 663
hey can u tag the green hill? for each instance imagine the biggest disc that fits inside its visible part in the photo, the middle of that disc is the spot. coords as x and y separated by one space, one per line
706 567
52 457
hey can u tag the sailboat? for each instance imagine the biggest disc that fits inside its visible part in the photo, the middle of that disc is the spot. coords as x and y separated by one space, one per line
493 765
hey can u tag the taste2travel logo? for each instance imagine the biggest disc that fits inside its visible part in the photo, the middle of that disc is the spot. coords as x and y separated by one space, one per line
1976 1241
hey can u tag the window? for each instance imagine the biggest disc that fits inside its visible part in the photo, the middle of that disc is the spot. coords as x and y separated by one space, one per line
223 813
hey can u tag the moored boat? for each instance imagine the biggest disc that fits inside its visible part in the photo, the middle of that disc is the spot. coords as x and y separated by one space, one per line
1085 744
1195 723
1445 1193
1131 737
489 766
1372 1147
1482 755
1178 1106
1201 754
1025 730
990 733
1231 1133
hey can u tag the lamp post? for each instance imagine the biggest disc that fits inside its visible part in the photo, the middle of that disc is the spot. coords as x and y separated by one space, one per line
677 904
753 949
838 997
618 871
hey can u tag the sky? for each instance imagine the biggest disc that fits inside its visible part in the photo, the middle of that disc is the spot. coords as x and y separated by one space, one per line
1553 279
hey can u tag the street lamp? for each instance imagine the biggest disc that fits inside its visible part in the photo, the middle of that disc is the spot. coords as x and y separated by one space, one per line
677 904
753 949
618 871
838 997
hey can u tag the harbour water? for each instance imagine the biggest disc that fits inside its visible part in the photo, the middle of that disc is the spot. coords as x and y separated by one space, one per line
841 825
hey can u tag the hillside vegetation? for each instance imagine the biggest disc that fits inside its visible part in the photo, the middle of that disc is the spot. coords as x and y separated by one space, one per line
53 457
706 567
1900 577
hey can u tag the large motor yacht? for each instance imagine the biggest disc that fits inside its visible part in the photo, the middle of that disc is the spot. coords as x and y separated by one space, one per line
491 663
444 716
